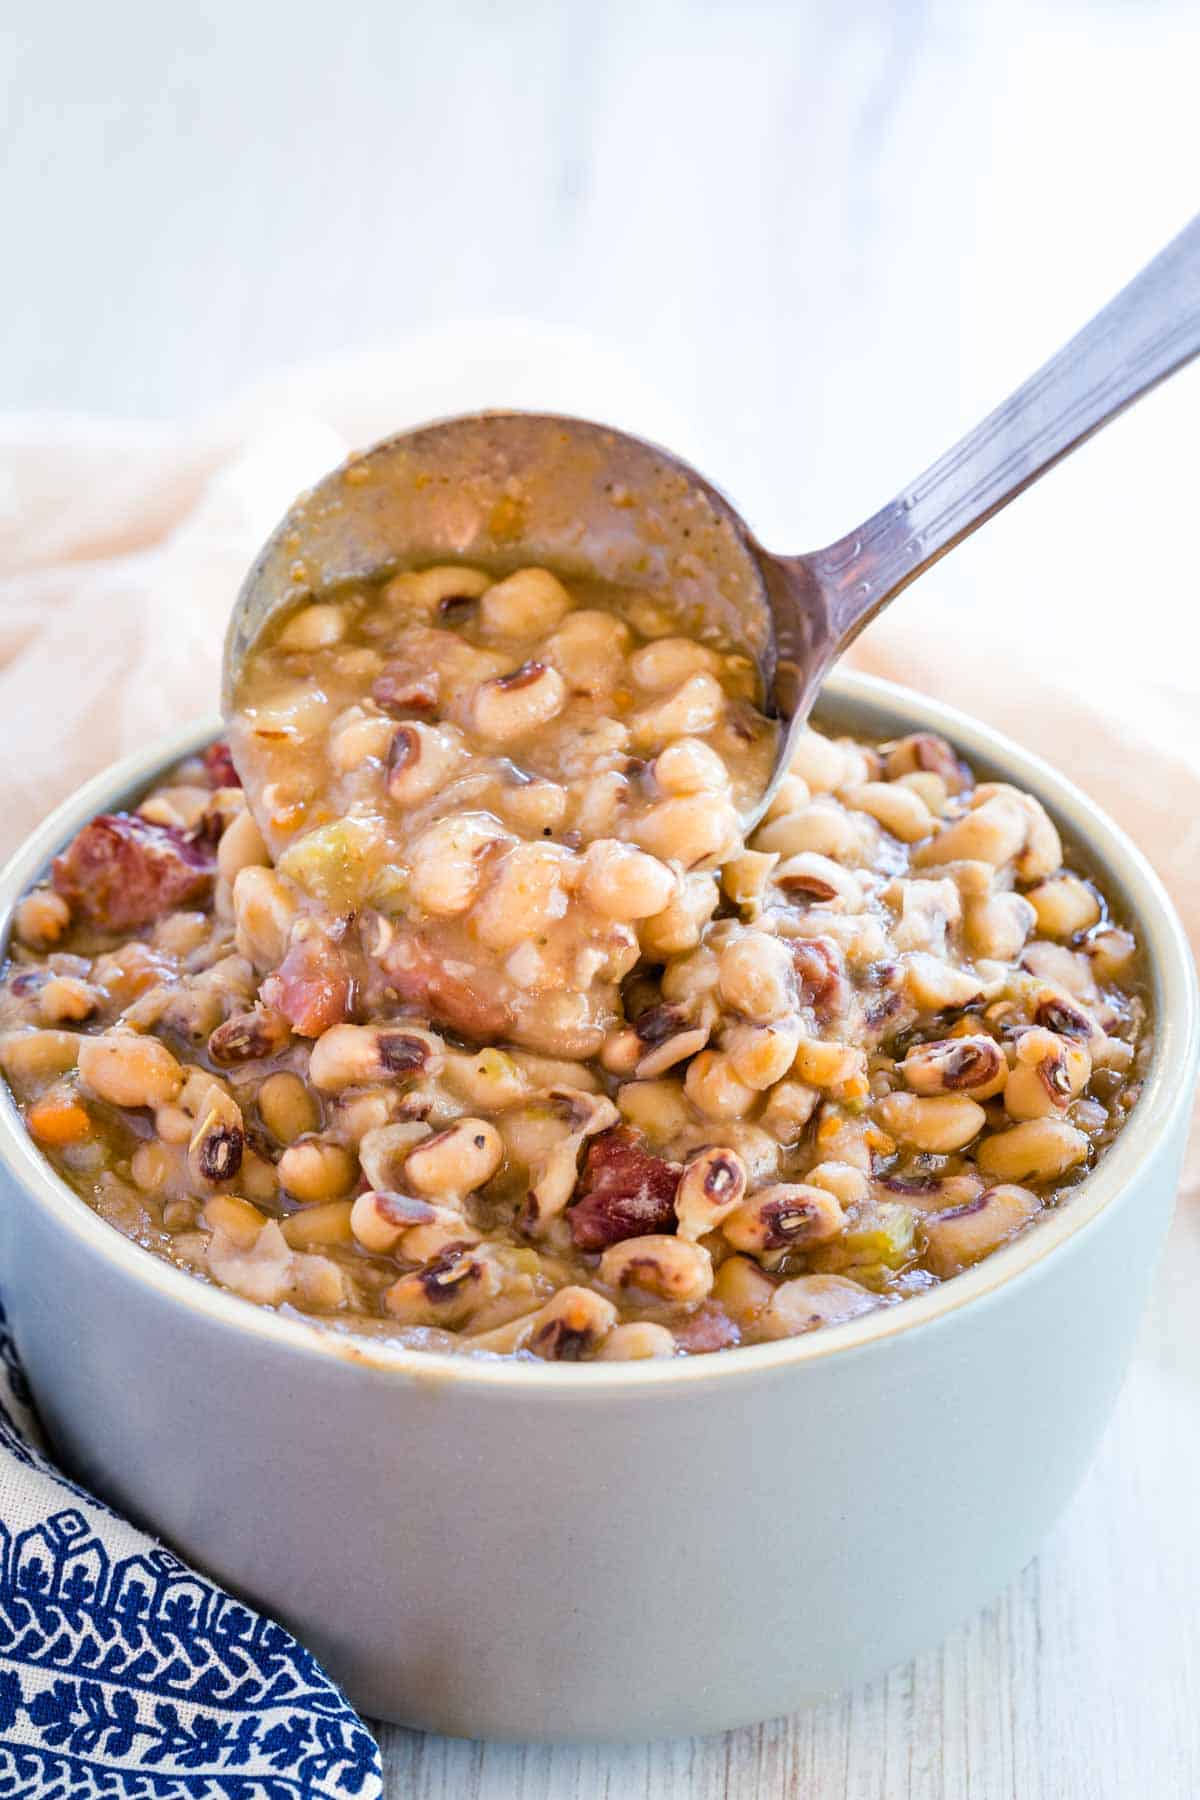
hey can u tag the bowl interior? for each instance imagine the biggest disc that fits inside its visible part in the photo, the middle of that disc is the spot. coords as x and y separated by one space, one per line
852 703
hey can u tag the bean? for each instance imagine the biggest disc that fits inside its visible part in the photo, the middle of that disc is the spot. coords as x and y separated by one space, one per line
694 707
714 1089
939 1124
128 1070
322 1224
41 918
668 1266
812 1301
526 896
527 602
638 1341
784 1216
623 883
513 705
456 1161
743 1288
957 1238
348 1055
1064 905
446 864
1035 1150
313 628
287 1108
711 1187
973 1065
757 977
689 829
313 1170
898 809
669 661
420 760
264 911
690 766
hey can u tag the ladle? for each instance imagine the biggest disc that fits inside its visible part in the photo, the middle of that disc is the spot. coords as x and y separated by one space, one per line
510 488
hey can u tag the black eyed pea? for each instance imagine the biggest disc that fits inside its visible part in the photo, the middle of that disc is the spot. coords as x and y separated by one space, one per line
311 1169
670 1267
622 1051
1041 853
1070 970
378 1220
420 760
956 1238
930 787
287 1108
589 648
528 893
671 1051
421 1243
939 1124
620 882
41 918
264 912
821 827
785 1216
745 878
527 603
668 661
934 985
790 1105
639 1341
689 829
812 1301
998 925
241 847
711 1187
994 831
320 1226
30 1058
422 593
1049 1072
349 1055
824 1063
358 738
315 627
848 1184
973 1065
820 761
458 1160
715 1090
446 1291
757 977
657 1108
446 863
693 708
240 1221
925 753
1064 905
217 1145
790 796
689 766
761 1055
66 998
1113 953
1035 1150
677 928
571 1325
511 706
384 1149
128 1070
813 879
899 810
743 1288
534 806
317 1282
262 1272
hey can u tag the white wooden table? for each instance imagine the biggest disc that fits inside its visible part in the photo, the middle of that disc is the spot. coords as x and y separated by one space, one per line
822 240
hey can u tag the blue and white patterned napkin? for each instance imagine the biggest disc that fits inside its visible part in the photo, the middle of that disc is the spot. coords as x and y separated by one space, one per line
124 1675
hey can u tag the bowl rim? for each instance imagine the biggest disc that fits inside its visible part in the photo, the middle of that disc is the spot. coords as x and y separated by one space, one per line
881 705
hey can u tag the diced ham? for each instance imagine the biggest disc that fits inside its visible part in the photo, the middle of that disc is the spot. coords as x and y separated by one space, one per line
312 987
625 1191
122 871
709 1328
821 972
218 766
444 993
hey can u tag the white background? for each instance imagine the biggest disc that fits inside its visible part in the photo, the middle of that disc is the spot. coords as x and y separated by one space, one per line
811 244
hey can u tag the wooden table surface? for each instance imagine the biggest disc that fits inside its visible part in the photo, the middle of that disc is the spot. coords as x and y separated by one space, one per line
816 242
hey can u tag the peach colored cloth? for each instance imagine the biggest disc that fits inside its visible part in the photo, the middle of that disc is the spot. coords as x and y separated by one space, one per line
123 545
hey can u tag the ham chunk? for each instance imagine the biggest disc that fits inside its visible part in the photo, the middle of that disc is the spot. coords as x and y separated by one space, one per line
122 871
625 1192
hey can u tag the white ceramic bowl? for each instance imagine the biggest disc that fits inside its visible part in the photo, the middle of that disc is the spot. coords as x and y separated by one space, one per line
613 1550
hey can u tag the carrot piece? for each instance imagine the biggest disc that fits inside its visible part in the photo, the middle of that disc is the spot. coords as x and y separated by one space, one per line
57 1122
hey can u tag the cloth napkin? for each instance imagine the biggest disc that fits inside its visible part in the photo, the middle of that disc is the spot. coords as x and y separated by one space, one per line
121 548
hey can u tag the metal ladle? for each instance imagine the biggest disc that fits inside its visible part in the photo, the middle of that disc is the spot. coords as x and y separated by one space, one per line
512 488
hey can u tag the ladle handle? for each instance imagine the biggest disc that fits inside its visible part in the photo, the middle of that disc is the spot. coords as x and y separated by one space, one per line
1148 331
